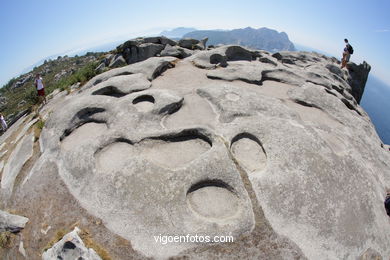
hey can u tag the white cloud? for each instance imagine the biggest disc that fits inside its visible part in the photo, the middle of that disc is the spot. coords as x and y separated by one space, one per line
382 31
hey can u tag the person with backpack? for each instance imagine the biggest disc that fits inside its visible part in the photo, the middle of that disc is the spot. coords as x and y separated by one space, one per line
348 50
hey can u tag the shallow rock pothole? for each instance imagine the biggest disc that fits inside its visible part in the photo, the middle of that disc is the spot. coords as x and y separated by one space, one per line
213 199
249 152
175 152
144 103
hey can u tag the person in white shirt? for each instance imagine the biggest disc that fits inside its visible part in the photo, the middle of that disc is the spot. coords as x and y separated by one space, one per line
3 123
40 88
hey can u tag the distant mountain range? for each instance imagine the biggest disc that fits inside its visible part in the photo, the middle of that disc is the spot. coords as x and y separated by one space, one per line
177 32
262 38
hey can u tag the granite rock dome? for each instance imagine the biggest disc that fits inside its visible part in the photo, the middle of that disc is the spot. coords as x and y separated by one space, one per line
272 149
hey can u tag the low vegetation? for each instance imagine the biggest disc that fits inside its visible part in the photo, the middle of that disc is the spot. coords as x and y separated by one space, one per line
5 239
57 74
58 236
90 243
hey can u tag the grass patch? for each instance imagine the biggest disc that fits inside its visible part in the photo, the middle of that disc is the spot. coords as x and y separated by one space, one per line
40 124
5 239
58 236
38 128
89 243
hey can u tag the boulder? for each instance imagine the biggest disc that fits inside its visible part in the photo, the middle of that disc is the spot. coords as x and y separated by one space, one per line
176 51
202 44
219 56
117 61
100 68
11 223
159 40
193 44
70 247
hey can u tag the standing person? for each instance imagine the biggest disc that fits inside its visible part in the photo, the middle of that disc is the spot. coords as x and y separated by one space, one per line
40 88
3 123
348 50
387 203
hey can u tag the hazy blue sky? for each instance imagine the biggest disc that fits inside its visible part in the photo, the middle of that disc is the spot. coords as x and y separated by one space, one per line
32 30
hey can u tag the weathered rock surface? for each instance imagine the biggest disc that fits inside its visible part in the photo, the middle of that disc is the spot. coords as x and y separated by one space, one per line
11 223
70 247
117 61
140 49
151 68
193 44
19 156
176 51
273 150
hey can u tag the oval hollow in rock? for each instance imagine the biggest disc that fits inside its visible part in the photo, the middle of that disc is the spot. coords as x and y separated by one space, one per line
144 103
109 91
213 199
114 156
249 152
175 152
84 134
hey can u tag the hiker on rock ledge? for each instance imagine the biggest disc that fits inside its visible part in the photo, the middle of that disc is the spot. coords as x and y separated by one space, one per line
348 50
40 88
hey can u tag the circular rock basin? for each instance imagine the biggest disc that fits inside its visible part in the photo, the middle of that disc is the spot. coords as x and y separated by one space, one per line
213 202
144 103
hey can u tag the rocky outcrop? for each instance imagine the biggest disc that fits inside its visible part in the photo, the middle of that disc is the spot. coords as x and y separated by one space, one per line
3 102
143 48
193 44
273 150
358 78
140 49
22 81
70 247
11 223
176 51
117 61
349 84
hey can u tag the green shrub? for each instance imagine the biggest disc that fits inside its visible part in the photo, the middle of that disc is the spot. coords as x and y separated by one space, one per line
31 96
